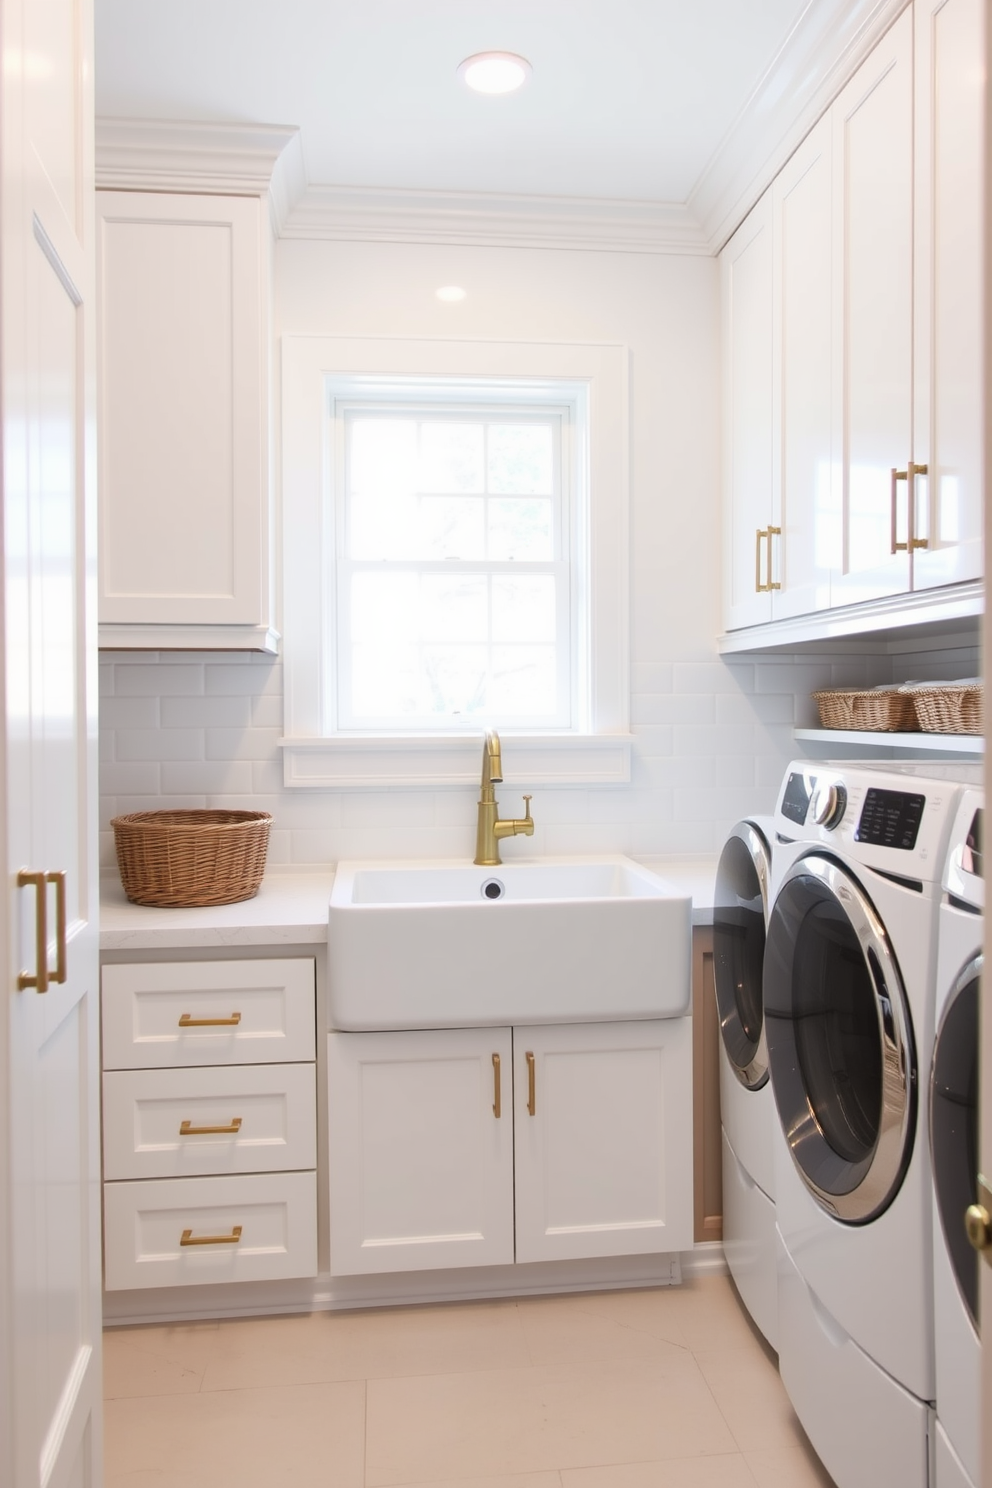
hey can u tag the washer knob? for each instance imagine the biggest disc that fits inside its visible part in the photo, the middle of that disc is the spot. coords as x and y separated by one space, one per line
978 1226
827 805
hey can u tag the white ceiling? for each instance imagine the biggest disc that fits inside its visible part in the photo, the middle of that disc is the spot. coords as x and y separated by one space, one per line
629 99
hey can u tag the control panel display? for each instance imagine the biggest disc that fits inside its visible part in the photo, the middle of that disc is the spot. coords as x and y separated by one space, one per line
796 796
891 819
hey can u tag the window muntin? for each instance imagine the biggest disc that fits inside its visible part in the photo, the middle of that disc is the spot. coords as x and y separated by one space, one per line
457 583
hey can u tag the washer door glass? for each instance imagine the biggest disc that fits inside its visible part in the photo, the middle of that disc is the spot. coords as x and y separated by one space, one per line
840 1044
739 915
954 1126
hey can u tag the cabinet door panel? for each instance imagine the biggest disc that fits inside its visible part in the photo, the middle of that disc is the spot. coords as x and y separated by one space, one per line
746 266
949 404
421 1167
604 1159
873 299
809 507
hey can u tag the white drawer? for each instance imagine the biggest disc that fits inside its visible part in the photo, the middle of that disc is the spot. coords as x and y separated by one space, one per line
166 1014
145 1224
272 1109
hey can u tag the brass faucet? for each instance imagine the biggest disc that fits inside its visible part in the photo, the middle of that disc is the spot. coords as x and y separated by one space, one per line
490 828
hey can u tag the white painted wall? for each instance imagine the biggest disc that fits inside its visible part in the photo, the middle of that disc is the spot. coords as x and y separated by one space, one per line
712 737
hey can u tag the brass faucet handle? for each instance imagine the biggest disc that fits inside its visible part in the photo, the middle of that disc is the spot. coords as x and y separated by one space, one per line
527 801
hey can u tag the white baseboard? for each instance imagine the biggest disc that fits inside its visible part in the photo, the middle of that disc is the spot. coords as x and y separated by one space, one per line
340 1293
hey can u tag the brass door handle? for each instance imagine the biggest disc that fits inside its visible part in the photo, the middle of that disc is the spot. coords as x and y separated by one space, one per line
912 471
234 1238
62 949
894 545
39 882
770 533
187 1129
531 1085
188 1021
497 1105
760 534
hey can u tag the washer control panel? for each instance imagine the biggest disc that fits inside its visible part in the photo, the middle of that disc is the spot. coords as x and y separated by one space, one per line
828 804
891 819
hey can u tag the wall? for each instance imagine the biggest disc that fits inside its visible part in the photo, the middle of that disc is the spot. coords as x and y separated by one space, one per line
712 737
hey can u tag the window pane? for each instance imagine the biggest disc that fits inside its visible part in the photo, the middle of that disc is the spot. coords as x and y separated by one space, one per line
520 529
382 606
455 679
383 527
520 459
453 609
524 608
385 680
451 458
451 527
524 682
383 456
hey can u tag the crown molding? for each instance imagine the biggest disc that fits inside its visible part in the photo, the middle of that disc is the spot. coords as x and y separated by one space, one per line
363 214
175 155
821 53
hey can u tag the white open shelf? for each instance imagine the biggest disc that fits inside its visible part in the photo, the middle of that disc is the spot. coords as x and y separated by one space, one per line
973 744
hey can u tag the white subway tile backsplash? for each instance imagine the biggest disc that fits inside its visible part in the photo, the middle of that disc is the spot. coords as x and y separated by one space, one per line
206 712
126 778
713 676
254 679
210 777
129 712
674 707
267 710
159 744
158 679
243 744
388 809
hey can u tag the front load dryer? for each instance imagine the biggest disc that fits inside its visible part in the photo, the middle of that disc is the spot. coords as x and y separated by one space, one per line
747 1111
850 964
954 1150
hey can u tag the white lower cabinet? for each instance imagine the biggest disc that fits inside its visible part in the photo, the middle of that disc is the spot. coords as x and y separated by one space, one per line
476 1147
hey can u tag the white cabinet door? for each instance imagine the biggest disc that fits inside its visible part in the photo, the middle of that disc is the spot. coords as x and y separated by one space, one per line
950 243
50 1315
183 433
746 269
808 503
873 307
421 1149
603 1139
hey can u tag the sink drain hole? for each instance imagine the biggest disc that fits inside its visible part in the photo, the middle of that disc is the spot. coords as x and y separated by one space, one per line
493 889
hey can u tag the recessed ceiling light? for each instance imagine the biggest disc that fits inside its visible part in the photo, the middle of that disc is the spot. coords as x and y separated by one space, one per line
494 72
450 292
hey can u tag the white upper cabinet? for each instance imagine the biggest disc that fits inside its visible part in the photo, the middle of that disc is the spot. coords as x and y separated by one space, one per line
806 504
184 371
949 243
747 283
873 310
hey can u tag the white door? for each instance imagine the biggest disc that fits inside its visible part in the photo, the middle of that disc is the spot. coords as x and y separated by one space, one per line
420 1150
746 266
809 543
49 1159
603 1139
873 306
950 244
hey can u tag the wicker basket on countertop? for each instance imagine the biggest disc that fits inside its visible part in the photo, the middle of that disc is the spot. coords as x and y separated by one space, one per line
873 710
176 859
949 707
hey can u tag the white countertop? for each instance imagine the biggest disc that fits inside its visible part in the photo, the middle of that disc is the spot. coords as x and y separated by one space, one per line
291 909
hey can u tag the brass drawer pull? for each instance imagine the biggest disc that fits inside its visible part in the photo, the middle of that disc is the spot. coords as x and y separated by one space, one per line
760 534
531 1086
895 546
772 532
60 973
38 882
912 471
496 1083
188 1130
188 1021
234 1238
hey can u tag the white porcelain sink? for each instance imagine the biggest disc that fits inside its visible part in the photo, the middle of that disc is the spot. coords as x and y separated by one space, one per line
547 940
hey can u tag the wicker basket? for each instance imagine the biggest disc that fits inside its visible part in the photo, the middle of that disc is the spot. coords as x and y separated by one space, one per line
176 858
947 709
874 710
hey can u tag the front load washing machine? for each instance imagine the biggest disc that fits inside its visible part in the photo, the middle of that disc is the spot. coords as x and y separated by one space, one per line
954 1150
850 964
747 1111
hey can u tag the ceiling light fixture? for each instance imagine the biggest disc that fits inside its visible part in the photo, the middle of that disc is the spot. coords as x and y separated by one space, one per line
450 292
494 72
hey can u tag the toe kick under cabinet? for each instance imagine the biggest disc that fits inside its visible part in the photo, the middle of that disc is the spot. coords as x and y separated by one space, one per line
485 1146
209 1122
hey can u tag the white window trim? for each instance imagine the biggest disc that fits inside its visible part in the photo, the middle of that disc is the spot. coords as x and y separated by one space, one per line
314 759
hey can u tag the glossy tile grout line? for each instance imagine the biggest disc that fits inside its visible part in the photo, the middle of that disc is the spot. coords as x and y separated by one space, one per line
663 1388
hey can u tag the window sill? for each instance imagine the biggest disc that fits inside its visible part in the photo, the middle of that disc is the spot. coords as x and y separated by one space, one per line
376 761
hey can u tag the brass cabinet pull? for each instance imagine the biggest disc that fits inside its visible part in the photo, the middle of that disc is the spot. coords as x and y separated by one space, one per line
531 1086
912 471
896 547
759 537
497 1110
60 973
770 533
39 882
188 1021
187 1129
234 1238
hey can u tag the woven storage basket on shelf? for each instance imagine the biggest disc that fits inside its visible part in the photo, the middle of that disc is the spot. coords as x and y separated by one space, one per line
874 710
178 858
947 709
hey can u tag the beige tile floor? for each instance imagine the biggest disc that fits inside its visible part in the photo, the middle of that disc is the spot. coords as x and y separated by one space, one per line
668 1388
